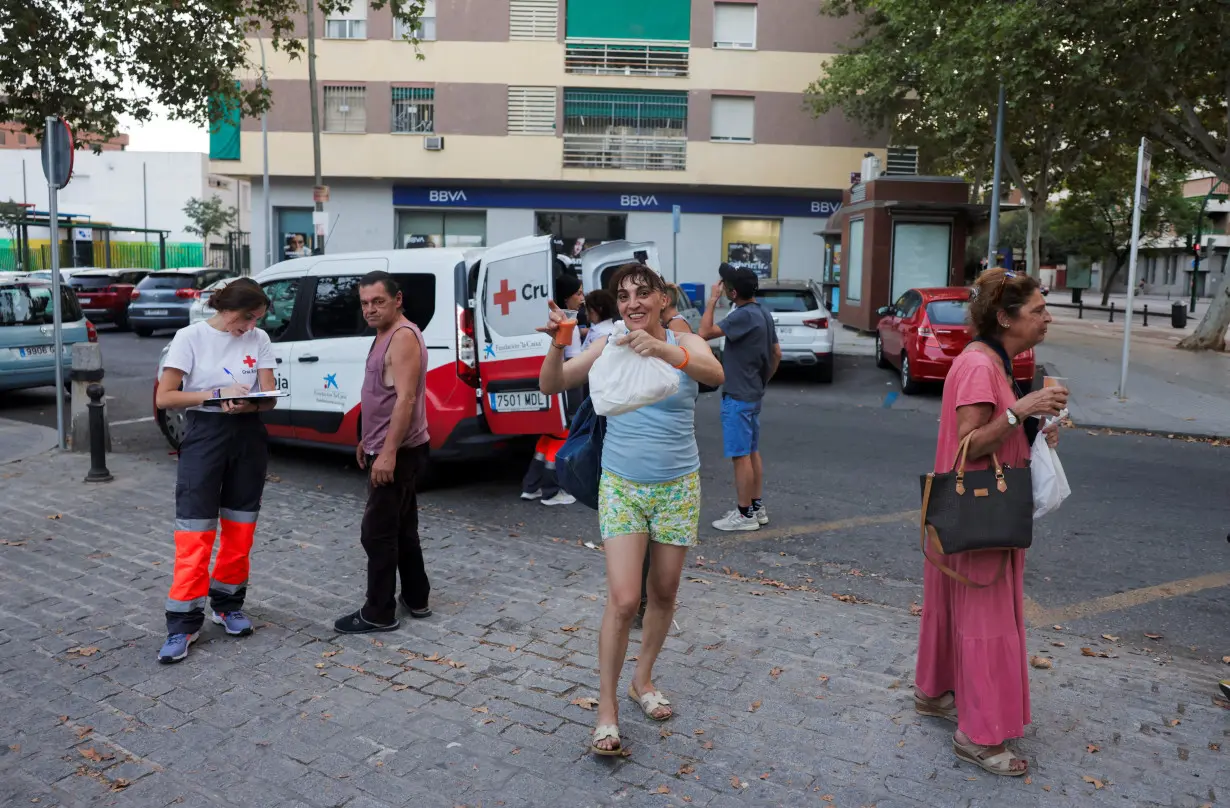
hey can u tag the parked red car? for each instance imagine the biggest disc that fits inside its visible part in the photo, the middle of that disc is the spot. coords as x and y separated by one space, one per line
925 330
105 293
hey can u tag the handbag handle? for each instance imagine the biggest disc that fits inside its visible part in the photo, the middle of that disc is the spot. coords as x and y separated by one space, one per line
924 530
958 465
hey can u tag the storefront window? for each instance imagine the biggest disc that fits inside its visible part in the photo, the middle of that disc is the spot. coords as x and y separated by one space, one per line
431 229
579 231
752 244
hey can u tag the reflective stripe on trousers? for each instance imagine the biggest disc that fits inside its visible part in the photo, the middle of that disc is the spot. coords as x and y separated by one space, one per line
220 481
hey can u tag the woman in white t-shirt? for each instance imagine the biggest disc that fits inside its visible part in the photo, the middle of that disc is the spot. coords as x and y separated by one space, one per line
222 460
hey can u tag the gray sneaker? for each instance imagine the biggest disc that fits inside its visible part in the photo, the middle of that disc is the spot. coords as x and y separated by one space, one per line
737 521
762 515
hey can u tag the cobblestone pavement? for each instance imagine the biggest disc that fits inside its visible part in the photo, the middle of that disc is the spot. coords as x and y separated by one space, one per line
785 696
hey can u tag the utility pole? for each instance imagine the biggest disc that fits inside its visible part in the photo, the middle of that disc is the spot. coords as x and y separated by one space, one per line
267 204
317 244
993 236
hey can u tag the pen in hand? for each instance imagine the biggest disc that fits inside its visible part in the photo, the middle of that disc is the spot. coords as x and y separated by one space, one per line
237 382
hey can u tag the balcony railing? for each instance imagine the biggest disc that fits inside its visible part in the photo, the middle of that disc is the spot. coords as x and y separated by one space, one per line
626 150
598 57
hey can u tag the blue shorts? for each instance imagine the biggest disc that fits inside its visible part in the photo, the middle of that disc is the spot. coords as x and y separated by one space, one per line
740 427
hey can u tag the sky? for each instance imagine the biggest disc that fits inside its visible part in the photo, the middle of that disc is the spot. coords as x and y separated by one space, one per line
166 135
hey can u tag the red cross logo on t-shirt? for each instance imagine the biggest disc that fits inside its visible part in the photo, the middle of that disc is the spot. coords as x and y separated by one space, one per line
249 361
505 297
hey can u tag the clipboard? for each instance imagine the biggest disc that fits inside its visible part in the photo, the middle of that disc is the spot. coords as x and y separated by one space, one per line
257 396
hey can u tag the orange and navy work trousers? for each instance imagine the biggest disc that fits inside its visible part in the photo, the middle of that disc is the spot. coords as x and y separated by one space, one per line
540 476
222 462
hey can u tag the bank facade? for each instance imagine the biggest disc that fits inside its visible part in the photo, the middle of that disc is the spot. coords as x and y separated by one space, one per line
676 121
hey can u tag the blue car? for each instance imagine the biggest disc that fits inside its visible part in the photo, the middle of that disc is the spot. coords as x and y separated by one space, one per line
27 339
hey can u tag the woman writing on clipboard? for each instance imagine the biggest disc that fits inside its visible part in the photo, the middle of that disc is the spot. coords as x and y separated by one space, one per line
222 460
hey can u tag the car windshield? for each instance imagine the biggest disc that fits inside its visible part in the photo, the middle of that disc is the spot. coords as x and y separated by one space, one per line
91 281
29 304
948 312
176 281
787 299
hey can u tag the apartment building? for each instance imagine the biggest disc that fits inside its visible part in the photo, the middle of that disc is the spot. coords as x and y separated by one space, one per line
590 120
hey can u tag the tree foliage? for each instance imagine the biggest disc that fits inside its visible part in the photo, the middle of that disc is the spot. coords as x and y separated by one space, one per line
208 216
93 60
11 212
929 71
1095 218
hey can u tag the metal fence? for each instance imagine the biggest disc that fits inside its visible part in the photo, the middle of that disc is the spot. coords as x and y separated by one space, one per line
414 110
234 254
612 129
121 254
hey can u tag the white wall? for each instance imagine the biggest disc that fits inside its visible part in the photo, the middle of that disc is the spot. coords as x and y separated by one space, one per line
700 247
802 252
655 227
108 187
361 215
506 224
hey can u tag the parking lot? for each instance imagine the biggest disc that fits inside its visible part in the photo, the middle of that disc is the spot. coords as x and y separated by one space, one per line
842 464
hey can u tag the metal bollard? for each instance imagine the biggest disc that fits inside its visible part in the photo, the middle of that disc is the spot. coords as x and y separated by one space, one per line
1112 311
1146 315
98 437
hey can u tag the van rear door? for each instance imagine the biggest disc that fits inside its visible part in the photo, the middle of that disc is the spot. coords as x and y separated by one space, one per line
515 282
599 263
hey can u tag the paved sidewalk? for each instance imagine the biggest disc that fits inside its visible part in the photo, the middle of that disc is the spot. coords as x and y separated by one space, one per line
785 695
1169 391
21 441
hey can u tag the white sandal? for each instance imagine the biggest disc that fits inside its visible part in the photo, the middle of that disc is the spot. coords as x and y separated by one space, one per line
649 702
601 733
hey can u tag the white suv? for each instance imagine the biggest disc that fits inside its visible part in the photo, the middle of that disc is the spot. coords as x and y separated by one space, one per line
804 326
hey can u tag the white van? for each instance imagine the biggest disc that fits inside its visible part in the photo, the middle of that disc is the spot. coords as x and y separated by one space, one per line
478 310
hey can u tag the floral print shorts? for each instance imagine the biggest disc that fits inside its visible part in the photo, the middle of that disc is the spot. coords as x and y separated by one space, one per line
669 512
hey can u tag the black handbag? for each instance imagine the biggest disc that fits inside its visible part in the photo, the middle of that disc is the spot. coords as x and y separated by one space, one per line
976 511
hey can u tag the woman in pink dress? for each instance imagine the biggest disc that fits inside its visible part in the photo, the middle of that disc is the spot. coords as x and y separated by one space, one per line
972 667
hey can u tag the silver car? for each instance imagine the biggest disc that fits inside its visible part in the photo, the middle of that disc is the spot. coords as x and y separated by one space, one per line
164 299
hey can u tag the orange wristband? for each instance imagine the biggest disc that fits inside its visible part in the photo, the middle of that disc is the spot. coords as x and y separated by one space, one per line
687 357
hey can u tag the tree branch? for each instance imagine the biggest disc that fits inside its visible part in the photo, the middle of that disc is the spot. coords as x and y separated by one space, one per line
1222 170
1193 128
1014 171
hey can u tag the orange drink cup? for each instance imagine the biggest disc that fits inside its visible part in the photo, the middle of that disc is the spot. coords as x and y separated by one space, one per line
566 327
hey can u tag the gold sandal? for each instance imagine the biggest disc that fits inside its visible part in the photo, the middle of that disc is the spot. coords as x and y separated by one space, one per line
985 758
601 733
944 707
649 702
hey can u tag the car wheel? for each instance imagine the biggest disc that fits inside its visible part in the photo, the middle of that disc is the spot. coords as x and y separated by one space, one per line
121 323
172 423
881 362
909 385
824 372
144 332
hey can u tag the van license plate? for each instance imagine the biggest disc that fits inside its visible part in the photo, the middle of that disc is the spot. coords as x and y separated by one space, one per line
527 401
36 350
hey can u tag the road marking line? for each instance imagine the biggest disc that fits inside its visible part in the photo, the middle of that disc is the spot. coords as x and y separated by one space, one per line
1126 600
827 527
144 420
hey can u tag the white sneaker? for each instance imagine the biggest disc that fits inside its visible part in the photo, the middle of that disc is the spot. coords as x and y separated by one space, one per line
762 515
562 498
530 496
737 521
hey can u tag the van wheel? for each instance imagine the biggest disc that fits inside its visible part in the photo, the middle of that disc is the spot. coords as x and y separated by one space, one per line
144 332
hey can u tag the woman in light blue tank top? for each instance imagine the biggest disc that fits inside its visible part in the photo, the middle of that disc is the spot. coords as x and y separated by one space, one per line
649 493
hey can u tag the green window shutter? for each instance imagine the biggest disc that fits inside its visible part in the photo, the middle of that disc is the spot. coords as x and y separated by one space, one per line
223 129
617 106
669 20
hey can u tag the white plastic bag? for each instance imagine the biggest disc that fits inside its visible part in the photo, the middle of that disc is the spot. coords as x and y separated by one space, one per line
622 380
1050 483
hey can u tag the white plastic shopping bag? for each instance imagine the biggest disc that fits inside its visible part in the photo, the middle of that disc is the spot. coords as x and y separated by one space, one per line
622 380
1050 483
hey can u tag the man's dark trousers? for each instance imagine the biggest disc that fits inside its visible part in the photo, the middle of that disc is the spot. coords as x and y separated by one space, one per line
390 535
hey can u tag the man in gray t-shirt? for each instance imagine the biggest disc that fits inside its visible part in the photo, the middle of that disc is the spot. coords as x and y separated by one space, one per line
750 359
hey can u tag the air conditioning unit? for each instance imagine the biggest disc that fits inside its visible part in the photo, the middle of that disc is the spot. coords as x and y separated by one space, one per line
433 143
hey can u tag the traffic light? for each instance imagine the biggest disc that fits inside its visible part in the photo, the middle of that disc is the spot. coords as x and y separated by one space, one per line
1196 250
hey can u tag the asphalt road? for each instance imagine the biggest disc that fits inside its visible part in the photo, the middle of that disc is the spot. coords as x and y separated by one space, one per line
842 466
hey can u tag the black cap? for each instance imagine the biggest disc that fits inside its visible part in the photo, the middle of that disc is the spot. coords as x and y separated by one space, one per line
743 281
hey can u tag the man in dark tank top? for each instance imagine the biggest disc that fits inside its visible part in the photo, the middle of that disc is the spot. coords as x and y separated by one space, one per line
393 451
